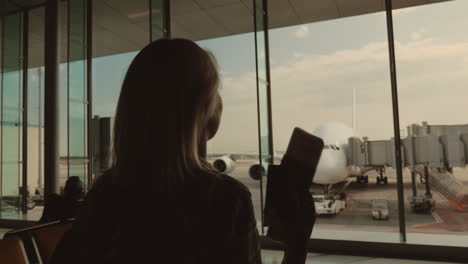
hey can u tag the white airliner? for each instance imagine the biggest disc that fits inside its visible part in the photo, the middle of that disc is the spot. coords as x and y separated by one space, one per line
332 167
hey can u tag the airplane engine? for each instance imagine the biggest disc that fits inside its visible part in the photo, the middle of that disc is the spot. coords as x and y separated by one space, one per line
256 171
224 165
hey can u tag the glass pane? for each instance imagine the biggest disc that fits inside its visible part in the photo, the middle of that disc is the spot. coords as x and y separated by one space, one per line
76 80
1 42
331 78
35 158
77 137
157 18
120 30
262 86
35 90
76 89
63 92
10 182
260 34
77 168
432 66
11 142
35 105
234 150
76 49
11 61
10 202
11 88
11 117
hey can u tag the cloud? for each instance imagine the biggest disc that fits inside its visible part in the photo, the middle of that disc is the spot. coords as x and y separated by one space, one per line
404 11
302 32
312 89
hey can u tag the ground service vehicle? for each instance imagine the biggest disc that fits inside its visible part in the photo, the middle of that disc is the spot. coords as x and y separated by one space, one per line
328 205
379 209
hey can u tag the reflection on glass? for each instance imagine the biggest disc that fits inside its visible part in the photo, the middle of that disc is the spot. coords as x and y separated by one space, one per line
432 65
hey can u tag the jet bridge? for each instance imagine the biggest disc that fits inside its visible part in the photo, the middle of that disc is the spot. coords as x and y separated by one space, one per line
432 151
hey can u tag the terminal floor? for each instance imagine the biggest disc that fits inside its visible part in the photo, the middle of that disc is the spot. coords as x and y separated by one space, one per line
275 257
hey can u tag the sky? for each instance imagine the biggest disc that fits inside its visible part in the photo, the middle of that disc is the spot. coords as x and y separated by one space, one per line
315 68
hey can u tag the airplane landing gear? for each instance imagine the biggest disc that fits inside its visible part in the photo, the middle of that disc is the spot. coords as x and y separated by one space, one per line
362 179
382 178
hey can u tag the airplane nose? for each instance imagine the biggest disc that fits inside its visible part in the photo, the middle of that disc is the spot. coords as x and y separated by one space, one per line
331 168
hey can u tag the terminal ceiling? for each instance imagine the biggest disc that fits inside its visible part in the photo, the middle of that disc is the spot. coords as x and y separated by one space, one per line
121 26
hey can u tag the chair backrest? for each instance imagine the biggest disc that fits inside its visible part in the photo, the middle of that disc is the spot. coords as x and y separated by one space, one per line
12 251
48 238
41 240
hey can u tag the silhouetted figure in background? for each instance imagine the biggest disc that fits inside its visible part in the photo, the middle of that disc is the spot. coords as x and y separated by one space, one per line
58 207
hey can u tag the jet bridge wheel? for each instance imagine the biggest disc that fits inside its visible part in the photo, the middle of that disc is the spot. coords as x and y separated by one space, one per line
383 180
362 178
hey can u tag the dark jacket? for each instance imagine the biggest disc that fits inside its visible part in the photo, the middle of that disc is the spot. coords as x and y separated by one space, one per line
211 221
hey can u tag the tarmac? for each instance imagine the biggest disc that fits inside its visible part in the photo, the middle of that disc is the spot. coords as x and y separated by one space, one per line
355 220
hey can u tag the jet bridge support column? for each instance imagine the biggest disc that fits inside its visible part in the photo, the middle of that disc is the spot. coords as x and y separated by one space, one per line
413 183
426 179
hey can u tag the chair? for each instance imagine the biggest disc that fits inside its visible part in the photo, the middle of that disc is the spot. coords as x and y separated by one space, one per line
40 241
12 251
48 238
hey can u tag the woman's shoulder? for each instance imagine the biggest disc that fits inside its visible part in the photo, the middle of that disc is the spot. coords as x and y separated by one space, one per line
227 189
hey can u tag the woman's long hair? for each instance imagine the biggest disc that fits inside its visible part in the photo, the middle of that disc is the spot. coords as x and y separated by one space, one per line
167 98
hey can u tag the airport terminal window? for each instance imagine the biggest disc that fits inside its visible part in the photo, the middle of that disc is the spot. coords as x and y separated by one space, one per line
431 46
63 93
35 107
120 30
77 147
216 27
11 114
331 78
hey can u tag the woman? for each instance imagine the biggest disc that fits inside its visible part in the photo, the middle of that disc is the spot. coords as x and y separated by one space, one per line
161 202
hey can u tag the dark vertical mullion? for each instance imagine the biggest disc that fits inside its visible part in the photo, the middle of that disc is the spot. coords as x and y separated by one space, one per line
41 122
68 86
1 108
166 18
25 55
89 87
396 120
258 110
266 30
51 98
